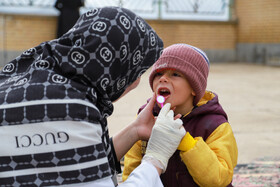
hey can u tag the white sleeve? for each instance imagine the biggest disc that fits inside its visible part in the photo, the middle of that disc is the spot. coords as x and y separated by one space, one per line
144 175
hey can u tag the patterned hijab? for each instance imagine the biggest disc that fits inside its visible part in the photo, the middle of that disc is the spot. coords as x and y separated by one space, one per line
77 76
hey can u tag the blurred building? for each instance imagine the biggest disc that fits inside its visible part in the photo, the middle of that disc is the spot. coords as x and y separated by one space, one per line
228 30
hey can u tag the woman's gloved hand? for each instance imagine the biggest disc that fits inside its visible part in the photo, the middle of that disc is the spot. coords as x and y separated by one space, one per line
165 138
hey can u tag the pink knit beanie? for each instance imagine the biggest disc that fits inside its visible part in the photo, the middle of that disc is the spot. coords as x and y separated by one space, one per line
190 61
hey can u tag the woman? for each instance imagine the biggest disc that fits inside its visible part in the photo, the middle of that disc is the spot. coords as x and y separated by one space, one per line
55 98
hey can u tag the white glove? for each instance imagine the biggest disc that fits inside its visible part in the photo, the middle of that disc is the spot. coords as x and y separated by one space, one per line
165 138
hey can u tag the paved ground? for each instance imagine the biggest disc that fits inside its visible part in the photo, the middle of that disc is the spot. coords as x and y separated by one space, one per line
250 94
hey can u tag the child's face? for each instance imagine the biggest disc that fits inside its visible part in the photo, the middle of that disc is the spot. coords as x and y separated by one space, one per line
175 88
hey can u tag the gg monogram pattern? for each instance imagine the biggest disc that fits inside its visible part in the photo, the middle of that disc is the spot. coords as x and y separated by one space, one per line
55 98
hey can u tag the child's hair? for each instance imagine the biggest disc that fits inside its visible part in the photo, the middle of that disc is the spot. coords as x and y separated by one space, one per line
191 61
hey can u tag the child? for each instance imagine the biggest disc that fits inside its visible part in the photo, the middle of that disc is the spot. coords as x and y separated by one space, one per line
208 153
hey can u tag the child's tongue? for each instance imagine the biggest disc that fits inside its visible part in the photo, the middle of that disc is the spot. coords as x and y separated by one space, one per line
165 94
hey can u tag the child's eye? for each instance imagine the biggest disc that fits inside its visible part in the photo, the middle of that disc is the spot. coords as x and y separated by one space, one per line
158 74
176 75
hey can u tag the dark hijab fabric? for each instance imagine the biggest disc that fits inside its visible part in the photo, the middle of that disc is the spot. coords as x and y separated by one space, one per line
54 96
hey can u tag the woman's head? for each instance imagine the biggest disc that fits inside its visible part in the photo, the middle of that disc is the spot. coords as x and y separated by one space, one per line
96 60
109 47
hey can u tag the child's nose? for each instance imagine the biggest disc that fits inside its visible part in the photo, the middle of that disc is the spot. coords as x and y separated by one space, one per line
163 78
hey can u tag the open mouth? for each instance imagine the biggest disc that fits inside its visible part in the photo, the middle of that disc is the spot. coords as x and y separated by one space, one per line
164 92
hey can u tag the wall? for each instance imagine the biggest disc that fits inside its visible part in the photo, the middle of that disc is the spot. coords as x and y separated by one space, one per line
258 31
21 32
252 36
217 39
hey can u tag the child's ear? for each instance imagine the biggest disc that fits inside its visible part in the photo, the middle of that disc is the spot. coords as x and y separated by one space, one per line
193 93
